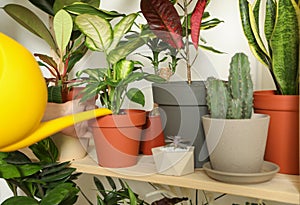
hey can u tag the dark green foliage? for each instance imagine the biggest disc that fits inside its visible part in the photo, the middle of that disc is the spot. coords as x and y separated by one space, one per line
44 181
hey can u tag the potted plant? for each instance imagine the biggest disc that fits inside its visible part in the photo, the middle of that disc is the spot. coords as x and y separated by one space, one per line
112 133
235 138
277 48
67 48
42 180
183 102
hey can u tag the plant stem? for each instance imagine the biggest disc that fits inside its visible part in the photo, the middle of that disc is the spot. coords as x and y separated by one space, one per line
187 49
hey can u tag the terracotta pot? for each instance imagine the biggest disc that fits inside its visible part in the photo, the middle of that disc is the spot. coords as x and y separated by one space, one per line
152 135
236 145
117 138
283 138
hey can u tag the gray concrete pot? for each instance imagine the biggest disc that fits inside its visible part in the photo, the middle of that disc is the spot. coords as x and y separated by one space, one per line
236 145
182 107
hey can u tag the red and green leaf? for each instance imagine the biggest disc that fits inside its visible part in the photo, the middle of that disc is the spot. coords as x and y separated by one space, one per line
196 21
163 20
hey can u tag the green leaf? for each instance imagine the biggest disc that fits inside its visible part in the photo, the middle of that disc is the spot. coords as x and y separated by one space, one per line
256 8
31 22
29 169
58 194
100 186
111 182
17 158
121 28
24 200
123 68
80 8
136 95
54 94
44 5
63 26
8 171
270 18
284 43
132 197
45 150
97 29
61 4
155 78
58 175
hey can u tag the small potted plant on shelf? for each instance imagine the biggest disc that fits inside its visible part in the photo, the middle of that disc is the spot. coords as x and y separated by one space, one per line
235 137
177 37
42 180
117 136
277 48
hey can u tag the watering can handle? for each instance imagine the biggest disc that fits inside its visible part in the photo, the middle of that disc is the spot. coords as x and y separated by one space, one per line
51 127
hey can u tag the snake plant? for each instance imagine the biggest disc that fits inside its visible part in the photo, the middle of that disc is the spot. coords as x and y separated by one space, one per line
278 46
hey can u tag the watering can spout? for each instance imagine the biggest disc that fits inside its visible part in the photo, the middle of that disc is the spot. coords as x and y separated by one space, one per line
48 128
23 100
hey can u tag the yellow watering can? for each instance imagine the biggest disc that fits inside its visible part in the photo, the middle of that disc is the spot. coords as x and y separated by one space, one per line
23 100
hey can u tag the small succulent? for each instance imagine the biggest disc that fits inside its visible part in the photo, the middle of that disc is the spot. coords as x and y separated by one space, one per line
232 99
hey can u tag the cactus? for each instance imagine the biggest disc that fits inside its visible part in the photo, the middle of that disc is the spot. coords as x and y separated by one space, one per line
234 99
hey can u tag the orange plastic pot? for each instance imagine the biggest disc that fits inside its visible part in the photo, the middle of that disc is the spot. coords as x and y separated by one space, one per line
117 138
152 135
283 138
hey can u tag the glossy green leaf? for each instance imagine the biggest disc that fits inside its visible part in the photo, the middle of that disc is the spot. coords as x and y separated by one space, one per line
63 26
97 29
284 43
99 186
8 171
60 4
136 95
31 22
45 5
24 200
58 175
81 8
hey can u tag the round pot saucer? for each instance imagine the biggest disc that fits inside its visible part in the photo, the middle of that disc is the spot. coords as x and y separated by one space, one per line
268 171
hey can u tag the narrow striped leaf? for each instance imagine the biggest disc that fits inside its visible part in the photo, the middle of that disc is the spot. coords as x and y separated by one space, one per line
256 8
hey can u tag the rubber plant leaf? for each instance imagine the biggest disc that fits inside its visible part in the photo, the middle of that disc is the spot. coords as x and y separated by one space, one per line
31 22
254 47
284 43
97 29
81 8
196 19
44 5
60 4
121 28
63 26
163 20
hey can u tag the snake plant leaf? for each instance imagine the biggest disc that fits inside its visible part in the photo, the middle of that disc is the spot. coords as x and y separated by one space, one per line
136 95
97 29
284 43
82 8
256 8
31 22
44 5
121 28
60 4
196 19
252 41
163 20
270 18
63 26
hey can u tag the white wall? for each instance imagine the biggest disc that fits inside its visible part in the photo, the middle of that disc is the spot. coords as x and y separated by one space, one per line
227 37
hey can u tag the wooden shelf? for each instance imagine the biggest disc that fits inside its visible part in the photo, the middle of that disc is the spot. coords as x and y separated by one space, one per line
282 188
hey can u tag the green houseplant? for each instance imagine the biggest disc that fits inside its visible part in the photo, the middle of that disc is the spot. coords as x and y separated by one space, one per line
277 48
111 84
235 140
182 101
43 181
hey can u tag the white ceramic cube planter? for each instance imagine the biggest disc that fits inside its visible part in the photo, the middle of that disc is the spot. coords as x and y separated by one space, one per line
176 162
